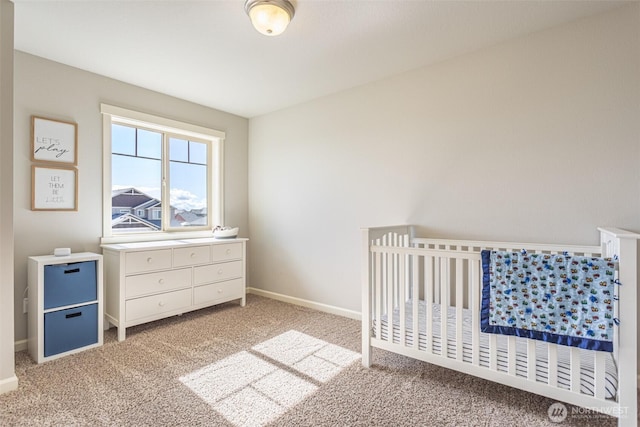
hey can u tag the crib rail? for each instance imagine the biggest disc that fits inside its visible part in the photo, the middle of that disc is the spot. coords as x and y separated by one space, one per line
407 279
475 245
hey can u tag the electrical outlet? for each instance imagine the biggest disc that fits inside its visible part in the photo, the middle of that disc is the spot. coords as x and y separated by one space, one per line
25 303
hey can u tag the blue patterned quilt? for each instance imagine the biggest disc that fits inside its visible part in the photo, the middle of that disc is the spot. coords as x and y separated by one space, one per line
561 299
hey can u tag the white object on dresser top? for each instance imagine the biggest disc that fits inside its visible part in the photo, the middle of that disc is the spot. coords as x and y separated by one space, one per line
227 233
62 251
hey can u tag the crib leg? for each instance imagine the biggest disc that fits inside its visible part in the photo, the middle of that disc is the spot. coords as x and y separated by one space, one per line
366 348
366 356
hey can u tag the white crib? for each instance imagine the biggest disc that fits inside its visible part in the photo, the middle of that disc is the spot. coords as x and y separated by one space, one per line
421 298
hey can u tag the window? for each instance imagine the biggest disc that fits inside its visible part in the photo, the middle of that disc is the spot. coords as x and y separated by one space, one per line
161 177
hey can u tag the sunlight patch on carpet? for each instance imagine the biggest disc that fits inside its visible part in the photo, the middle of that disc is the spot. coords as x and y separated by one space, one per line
311 356
250 391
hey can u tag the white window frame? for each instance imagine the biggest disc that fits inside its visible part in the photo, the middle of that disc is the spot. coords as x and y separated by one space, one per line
112 114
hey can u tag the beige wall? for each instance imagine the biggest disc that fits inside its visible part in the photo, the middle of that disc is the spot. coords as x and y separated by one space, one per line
52 90
536 139
8 380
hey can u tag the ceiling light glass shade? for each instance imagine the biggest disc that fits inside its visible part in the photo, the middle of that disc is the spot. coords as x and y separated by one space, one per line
269 17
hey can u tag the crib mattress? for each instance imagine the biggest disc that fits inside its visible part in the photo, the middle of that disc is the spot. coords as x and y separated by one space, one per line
563 370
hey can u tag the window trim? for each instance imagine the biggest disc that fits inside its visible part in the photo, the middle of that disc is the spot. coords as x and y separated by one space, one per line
167 126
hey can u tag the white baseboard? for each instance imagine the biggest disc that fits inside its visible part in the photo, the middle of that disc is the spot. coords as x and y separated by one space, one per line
306 303
20 345
8 384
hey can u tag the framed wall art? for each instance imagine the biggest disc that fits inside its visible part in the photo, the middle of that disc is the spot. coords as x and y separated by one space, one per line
54 188
54 141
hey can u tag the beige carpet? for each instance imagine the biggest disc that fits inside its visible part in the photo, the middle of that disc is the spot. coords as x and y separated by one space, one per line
269 363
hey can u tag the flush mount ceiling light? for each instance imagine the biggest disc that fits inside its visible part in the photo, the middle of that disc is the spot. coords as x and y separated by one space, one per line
269 17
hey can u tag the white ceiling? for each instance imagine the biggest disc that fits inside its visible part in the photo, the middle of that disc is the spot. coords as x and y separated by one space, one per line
207 51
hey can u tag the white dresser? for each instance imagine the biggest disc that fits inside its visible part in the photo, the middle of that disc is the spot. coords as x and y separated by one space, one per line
147 281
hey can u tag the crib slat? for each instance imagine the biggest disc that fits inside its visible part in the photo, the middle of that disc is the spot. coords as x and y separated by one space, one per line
599 374
512 355
493 352
389 283
531 360
474 304
415 296
459 306
428 285
378 293
400 285
552 365
436 280
396 280
444 305
575 370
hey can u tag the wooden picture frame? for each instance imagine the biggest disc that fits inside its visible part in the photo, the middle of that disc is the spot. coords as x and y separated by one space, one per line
54 141
54 188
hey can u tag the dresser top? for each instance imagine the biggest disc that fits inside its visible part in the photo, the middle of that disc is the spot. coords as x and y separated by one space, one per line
170 243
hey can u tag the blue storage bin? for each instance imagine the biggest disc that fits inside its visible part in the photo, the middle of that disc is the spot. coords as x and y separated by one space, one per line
67 284
69 329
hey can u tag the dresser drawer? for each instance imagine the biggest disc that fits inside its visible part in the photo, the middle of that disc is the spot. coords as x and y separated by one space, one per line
217 272
193 255
163 281
226 252
154 305
140 262
222 291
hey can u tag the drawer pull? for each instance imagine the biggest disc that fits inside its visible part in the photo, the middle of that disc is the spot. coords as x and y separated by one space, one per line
161 281
149 260
193 255
161 304
219 291
70 315
228 251
73 270
220 271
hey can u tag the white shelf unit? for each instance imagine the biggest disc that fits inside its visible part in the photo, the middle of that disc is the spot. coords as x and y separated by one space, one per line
147 281
64 310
